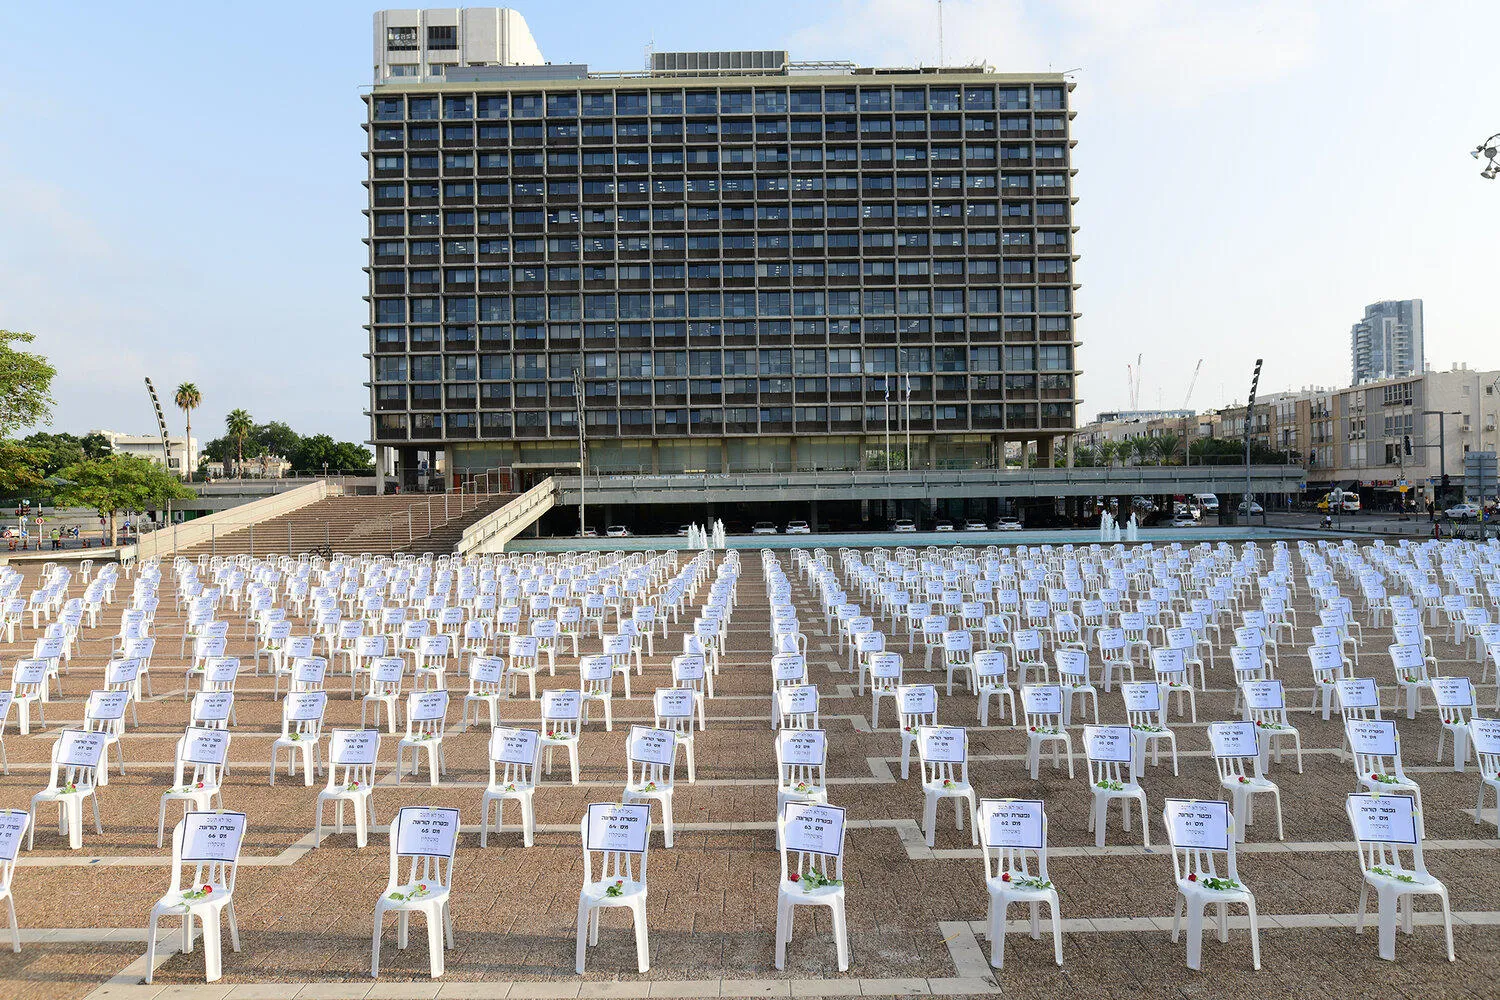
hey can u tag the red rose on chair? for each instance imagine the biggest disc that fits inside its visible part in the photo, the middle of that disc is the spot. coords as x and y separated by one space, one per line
793 877
208 890
1005 877
1192 877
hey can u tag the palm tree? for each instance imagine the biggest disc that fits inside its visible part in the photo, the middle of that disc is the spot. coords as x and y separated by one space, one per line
1107 451
239 424
188 399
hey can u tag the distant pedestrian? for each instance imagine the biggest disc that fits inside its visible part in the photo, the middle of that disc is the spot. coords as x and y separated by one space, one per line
56 538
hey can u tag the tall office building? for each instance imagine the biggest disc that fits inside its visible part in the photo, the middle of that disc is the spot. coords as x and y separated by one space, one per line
1387 342
755 263
422 45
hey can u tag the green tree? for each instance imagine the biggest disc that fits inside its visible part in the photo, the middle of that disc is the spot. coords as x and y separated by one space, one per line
95 445
340 456
276 438
118 483
1168 444
188 398
25 384
240 426
56 450
21 468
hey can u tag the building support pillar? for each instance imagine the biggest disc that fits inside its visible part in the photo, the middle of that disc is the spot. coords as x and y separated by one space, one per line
1068 443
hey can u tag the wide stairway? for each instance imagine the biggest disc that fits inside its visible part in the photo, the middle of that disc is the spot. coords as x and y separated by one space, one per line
354 524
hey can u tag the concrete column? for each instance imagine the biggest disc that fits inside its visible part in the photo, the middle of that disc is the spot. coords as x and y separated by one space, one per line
1044 452
655 457
812 515
1068 440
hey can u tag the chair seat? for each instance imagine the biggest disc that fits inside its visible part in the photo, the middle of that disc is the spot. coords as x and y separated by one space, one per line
435 894
59 794
1250 783
823 893
175 902
1419 881
596 893
1017 893
953 788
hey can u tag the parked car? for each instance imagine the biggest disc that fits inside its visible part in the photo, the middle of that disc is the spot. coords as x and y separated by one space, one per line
1255 508
1208 501
590 532
763 528
1184 520
682 530
798 528
1463 511
617 531
1008 524
972 525
943 526
904 524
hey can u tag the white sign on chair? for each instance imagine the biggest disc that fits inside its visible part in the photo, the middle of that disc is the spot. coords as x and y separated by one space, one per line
814 828
212 837
424 830
616 827
205 746
1197 824
353 746
1383 819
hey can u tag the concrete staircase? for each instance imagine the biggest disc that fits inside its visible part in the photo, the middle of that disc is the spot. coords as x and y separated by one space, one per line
377 524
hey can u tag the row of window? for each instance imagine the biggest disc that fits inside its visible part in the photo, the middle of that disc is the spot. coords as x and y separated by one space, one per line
760 100
674 305
1012 183
1044 154
388 281
571 246
798 361
429 395
714 420
711 130
870 212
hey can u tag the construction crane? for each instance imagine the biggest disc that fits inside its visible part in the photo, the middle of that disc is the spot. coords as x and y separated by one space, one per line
1133 382
1191 383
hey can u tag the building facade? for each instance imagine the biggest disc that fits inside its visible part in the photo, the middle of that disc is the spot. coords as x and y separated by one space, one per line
752 264
422 45
1387 342
148 446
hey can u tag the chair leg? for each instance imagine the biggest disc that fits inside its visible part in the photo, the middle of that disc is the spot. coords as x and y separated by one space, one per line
435 942
642 945
1254 933
375 946
584 916
841 934
1195 936
150 944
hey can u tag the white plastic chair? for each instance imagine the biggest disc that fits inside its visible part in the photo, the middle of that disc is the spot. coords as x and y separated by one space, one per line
427 840
1484 735
562 726
515 758
209 842
352 756
672 708
76 759
13 826
1012 832
944 755
1073 679
1237 756
486 688
1146 715
426 724
651 771
814 834
197 774
801 765
596 684
301 734
386 676
991 670
1199 832
1386 828
1110 754
1043 706
620 834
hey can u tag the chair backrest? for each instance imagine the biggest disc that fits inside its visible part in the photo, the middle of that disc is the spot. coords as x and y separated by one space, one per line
1143 704
1455 699
103 712
1013 836
673 709
1408 662
207 843
1376 746
596 675
618 835
352 756
211 709
801 757
308 673
201 755
302 713
1200 832
799 706
514 756
426 714
944 753
651 756
812 841
1236 749
1387 829
1109 750
562 713
1042 704
13 824
425 839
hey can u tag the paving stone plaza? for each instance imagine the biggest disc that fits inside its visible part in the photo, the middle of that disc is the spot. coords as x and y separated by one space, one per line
916 911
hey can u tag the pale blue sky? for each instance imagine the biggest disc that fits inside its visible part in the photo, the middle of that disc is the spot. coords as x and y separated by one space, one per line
180 184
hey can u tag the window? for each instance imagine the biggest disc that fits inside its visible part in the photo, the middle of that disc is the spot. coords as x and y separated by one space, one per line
401 40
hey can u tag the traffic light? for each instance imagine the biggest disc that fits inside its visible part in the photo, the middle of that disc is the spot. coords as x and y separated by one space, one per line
1445 480
1406 444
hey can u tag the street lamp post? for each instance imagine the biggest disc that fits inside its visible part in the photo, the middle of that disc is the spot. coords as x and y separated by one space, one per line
1490 150
1442 446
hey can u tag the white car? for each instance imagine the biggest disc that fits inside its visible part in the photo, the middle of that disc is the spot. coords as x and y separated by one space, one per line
617 531
1008 524
1255 508
943 526
905 524
1463 511
682 530
798 528
976 526
763 528
1184 520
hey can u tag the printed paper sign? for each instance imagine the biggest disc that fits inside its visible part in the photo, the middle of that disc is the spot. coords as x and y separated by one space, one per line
1453 692
616 827
674 703
814 828
1407 658
49 648
1198 824
946 744
1484 732
30 672
122 671
1233 739
427 705
354 746
788 667
1073 662
917 699
205 746
309 670
77 748
598 667
305 706
1357 692
6 697
802 746
387 670
886 666
799 700
651 746
1168 661
102 705
561 705
425 830
486 669
209 837
12 826
1264 695
1013 823
687 667
1371 736
221 670
1107 743
990 663
212 706
1041 699
1383 819
514 746
1141 696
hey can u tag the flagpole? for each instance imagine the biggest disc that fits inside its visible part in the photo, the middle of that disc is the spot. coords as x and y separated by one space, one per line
887 381
908 421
